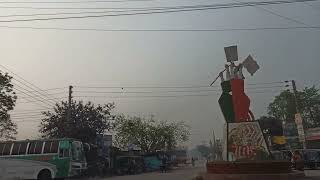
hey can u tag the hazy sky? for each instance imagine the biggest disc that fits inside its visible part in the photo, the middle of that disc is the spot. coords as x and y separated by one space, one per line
55 58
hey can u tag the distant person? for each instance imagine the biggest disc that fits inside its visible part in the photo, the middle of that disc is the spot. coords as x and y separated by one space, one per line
289 155
163 166
193 162
298 161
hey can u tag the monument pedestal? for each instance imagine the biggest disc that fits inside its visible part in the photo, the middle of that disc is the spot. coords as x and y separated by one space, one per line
251 170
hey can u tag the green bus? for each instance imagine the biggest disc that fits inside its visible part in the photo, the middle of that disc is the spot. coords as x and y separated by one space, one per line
42 159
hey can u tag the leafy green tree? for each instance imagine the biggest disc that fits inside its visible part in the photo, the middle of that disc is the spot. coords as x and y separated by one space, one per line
8 98
86 122
149 135
284 108
310 107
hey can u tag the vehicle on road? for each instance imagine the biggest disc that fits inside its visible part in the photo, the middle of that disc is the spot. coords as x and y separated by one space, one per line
129 165
41 159
311 157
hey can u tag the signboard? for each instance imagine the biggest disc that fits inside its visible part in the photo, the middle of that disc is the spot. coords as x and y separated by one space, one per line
251 65
293 142
231 53
298 120
291 133
313 134
246 142
104 143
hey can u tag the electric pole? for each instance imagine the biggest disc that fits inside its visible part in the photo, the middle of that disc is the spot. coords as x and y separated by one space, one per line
295 93
69 104
298 117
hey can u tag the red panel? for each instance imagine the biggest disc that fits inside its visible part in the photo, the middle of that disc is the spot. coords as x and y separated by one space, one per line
241 102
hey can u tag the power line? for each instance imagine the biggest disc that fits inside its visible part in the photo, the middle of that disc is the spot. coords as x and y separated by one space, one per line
275 82
208 7
139 87
176 91
279 15
31 96
69 2
103 12
27 113
160 96
41 101
25 83
169 87
27 116
186 95
31 110
83 8
28 121
53 89
35 93
51 94
164 30
143 92
265 87
123 10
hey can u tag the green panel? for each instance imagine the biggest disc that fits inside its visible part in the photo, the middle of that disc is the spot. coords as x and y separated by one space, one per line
64 144
63 166
226 86
226 105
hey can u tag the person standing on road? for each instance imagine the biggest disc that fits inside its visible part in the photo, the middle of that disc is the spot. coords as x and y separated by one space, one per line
298 161
193 162
163 166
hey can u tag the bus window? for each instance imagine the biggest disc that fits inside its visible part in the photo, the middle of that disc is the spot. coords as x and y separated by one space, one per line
54 147
51 147
1 148
7 149
38 148
77 151
47 147
23 148
64 153
15 149
31 147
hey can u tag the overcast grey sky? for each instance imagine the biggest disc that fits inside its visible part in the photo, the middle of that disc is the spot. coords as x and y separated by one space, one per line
53 58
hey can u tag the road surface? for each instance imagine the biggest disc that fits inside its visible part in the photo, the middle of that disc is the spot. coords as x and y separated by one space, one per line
181 173
186 173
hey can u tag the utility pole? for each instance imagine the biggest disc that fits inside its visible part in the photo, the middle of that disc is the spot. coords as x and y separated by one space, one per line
295 93
298 117
69 105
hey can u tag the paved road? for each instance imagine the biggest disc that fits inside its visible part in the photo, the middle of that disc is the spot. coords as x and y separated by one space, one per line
186 173
312 174
182 173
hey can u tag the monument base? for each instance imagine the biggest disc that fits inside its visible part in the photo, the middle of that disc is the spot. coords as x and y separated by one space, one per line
295 175
251 170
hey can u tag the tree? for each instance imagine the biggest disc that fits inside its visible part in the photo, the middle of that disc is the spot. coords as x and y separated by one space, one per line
310 106
284 108
86 122
8 98
149 135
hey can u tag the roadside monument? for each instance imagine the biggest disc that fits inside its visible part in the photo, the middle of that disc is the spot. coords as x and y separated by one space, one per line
246 153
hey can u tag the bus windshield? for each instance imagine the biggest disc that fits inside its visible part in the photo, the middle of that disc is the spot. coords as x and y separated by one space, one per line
77 151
